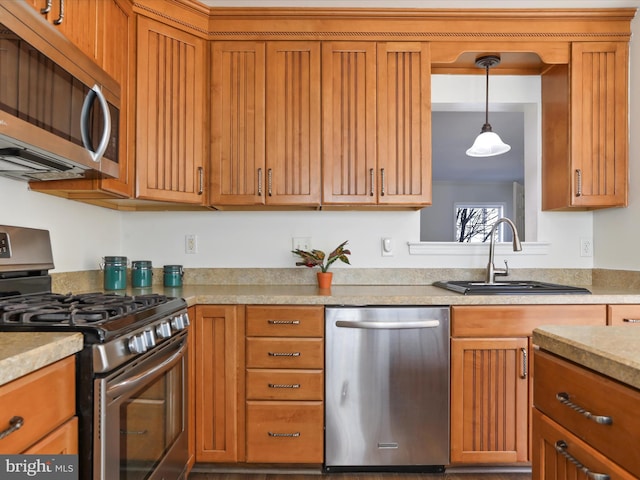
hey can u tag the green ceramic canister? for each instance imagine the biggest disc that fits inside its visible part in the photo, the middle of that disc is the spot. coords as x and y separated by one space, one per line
141 273
115 273
173 275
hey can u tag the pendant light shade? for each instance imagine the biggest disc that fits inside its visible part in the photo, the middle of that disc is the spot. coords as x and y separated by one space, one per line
488 143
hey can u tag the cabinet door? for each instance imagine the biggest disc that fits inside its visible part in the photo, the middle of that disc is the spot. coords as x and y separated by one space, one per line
170 115
404 123
585 128
489 400
349 123
560 455
293 123
219 361
77 20
237 123
62 441
116 47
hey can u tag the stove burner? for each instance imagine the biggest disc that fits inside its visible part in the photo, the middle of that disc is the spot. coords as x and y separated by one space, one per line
79 309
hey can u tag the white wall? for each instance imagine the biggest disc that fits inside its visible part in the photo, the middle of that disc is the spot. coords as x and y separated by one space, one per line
82 234
617 231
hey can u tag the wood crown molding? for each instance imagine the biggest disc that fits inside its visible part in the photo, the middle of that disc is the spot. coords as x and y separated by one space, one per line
437 25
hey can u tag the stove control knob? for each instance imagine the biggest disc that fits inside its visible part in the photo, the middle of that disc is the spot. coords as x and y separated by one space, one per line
163 330
149 338
177 323
137 344
185 318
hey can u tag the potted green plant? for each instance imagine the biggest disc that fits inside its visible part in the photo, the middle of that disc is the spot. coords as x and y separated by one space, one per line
317 258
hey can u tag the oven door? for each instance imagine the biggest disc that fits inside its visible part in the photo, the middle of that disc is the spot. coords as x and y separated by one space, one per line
142 417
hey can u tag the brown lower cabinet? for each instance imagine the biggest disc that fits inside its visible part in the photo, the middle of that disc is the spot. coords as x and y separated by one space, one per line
566 441
491 377
50 426
259 384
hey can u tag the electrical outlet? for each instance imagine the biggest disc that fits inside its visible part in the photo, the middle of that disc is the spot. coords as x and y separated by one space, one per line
387 246
190 243
586 247
301 243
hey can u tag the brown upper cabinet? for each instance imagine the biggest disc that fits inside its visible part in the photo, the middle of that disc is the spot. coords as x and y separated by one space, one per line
585 130
312 107
265 124
77 20
376 113
171 123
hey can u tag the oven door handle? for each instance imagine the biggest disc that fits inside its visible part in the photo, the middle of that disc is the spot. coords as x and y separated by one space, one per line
133 382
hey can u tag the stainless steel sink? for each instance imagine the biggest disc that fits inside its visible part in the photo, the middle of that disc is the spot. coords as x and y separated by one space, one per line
515 287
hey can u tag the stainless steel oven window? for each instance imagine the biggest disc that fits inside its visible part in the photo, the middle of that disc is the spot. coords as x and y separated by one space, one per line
142 418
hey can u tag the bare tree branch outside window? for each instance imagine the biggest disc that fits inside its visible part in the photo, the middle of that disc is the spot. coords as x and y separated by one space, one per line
473 223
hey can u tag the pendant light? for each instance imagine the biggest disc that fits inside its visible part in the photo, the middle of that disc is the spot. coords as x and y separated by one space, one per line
488 143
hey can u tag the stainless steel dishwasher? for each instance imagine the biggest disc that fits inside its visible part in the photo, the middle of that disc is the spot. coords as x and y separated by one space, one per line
387 389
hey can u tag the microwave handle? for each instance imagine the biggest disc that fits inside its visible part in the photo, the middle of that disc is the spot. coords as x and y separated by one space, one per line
84 123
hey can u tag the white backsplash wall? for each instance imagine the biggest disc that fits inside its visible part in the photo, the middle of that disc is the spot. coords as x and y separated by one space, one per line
80 234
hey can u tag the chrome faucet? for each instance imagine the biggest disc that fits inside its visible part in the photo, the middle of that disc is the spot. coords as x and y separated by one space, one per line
492 271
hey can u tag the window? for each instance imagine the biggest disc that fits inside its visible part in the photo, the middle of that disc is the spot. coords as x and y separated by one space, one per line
473 222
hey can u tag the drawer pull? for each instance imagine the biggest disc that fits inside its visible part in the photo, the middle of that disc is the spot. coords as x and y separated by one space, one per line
284 354
561 448
15 423
631 320
284 385
283 322
275 434
563 398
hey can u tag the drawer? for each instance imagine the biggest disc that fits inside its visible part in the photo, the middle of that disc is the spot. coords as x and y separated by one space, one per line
596 394
554 447
268 384
623 315
285 352
279 321
45 399
62 441
284 432
520 320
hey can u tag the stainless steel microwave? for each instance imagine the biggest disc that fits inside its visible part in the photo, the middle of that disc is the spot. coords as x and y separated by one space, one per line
59 112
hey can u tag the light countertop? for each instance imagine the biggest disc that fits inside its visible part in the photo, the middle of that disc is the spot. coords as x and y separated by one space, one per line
24 352
613 351
379 295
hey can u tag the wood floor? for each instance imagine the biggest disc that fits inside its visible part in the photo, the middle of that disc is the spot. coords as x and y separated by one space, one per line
360 476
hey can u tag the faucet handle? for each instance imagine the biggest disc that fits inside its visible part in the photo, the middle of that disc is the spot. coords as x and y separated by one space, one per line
502 273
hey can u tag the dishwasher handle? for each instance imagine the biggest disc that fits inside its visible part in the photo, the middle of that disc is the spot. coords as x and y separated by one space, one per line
366 324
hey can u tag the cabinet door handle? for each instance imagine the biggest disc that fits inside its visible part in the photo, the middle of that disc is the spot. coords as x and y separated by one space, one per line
15 423
372 185
275 434
284 385
260 182
561 447
58 21
630 320
269 181
200 180
525 364
47 7
283 322
563 398
578 182
284 354
382 182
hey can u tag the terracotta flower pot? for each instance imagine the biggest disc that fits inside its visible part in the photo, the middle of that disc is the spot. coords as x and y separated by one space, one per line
324 280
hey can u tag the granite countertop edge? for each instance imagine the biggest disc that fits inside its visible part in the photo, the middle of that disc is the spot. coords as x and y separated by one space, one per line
609 350
24 352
